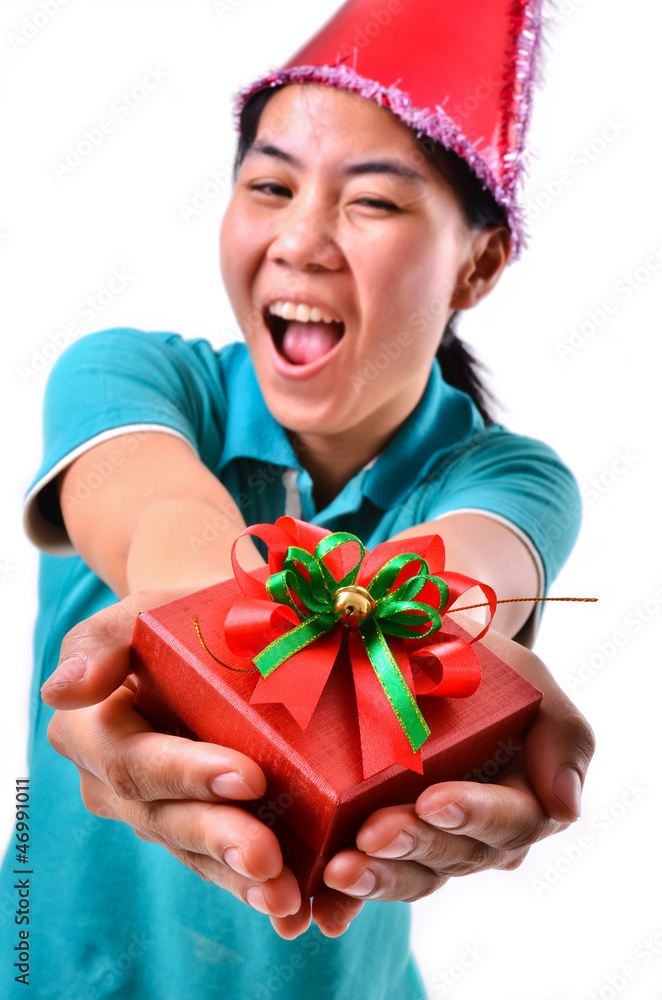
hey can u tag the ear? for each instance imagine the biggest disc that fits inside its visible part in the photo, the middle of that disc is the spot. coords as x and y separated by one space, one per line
489 254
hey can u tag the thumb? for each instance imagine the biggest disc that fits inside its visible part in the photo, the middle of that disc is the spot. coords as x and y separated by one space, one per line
558 748
560 744
95 654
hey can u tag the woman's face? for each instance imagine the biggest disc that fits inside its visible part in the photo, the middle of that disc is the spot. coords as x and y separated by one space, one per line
337 215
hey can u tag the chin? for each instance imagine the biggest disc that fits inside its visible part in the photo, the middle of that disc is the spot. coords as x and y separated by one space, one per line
298 418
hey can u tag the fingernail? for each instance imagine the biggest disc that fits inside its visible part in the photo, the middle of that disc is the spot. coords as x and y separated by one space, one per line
335 930
231 786
448 817
400 845
567 787
232 857
347 910
363 886
68 671
255 899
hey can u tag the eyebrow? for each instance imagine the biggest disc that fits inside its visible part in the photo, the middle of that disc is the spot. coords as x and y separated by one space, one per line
394 168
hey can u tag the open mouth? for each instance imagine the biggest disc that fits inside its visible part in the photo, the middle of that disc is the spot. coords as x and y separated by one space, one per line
302 334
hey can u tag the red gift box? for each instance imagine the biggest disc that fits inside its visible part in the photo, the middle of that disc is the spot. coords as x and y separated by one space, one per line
319 791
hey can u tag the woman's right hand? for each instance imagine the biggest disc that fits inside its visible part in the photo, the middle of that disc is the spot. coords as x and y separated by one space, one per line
175 792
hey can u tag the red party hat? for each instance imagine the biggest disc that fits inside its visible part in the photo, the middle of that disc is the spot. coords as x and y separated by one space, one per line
459 71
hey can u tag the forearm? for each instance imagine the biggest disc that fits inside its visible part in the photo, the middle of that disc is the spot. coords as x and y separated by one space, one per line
509 618
488 551
161 519
185 541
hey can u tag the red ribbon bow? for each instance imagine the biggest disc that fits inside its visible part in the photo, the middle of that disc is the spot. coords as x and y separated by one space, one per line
441 664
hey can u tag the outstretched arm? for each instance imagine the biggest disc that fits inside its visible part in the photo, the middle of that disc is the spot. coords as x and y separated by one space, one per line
487 550
144 526
138 532
151 511
463 827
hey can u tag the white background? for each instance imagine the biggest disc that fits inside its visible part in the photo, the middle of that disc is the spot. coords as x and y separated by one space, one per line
121 208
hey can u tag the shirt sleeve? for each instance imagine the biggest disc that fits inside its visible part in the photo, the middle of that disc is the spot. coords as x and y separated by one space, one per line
518 480
116 382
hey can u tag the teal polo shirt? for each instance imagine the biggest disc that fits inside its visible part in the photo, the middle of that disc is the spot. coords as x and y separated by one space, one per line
111 915
441 460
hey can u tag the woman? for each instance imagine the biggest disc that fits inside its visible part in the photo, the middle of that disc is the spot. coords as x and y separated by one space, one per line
336 216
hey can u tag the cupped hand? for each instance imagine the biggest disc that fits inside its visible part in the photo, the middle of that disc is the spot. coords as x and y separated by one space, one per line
462 827
172 791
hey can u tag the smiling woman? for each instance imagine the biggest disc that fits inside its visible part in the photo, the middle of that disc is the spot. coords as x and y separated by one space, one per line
330 213
477 203
346 230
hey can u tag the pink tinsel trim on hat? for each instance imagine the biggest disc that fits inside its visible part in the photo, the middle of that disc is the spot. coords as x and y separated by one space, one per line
528 61
437 124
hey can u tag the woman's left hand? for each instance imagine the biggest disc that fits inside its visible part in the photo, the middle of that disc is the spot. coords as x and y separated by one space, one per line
461 827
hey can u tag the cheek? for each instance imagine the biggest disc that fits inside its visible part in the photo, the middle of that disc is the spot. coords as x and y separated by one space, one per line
407 291
237 249
227 240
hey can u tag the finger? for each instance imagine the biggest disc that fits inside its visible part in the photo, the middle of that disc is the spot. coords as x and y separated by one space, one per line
222 844
359 875
560 744
333 911
399 835
221 831
276 898
117 745
94 656
292 926
495 830
501 817
559 747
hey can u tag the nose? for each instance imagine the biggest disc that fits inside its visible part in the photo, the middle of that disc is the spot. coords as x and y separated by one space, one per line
306 237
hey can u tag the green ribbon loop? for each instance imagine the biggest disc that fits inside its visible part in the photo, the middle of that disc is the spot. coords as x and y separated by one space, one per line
396 613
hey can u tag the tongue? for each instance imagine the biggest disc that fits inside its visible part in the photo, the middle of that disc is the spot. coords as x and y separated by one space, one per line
304 343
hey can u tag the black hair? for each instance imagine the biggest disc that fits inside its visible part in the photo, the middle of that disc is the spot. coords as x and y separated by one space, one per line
459 366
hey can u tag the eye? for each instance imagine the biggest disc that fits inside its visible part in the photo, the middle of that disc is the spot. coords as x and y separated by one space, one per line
380 203
271 188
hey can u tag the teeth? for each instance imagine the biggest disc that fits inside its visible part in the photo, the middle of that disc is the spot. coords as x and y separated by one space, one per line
301 313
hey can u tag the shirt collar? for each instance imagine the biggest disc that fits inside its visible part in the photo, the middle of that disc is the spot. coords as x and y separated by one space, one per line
443 418
251 430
